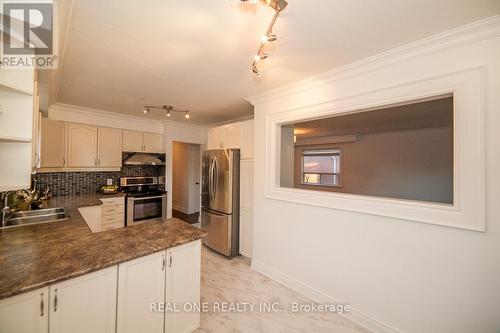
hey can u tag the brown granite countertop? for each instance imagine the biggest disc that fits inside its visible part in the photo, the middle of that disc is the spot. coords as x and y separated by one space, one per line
38 255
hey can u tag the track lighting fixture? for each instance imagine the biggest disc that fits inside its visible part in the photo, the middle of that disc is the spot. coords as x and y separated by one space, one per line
278 6
169 110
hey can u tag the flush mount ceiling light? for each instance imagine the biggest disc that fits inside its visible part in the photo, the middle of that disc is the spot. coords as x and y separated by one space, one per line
169 110
269 37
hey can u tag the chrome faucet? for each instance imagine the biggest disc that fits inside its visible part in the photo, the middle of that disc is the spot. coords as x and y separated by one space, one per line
6 212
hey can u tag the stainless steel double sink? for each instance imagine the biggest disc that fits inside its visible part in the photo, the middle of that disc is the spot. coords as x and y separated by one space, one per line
37 216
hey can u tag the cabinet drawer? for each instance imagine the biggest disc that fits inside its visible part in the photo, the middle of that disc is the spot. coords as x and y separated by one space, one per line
113 201
112 210
111 219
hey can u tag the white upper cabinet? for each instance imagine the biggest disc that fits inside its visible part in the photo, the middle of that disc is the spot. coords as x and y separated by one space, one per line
153 143
238 135
109 147
82 145
141 282
52 145
16 117
25 313
17 80
84 304
216 138
142 142
132 141
227 136
183 286
16 128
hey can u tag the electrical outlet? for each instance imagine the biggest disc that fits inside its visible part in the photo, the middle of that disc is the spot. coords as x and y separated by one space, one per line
109 181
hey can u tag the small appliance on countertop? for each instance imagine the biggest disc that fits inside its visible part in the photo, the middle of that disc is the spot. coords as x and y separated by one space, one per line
146 199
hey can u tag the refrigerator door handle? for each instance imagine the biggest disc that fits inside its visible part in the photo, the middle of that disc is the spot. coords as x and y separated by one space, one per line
216 175
210 179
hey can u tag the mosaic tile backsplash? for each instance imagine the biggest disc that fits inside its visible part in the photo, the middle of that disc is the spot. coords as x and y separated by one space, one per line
71 183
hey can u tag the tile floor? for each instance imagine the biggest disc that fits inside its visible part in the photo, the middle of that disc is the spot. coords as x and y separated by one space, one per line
234 281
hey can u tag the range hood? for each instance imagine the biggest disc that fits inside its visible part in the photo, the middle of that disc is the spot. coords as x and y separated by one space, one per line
143 159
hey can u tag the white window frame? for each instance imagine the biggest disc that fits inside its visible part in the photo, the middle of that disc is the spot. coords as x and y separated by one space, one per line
338 174
468 209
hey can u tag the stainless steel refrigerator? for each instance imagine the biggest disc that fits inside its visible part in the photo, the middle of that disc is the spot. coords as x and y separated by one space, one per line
220 199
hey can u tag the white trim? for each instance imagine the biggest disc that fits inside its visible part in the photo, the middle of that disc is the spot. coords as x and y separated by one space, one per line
468 211
80 114
315 295
476 31
180 208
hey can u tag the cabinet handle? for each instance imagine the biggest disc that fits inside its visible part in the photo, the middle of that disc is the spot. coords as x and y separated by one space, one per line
42 305
55 300
163 264
170 261
64 161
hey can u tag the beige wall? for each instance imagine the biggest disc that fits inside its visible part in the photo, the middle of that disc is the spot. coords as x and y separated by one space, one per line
413 164
180 176
185 173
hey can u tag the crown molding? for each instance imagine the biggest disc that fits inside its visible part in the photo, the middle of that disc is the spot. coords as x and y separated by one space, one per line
484 29
183 125
115 119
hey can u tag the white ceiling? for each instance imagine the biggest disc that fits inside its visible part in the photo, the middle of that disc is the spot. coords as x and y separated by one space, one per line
195 54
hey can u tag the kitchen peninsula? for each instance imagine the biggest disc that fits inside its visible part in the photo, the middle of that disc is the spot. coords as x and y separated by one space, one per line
56 269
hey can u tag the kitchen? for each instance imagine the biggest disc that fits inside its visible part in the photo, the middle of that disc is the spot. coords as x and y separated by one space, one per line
205 174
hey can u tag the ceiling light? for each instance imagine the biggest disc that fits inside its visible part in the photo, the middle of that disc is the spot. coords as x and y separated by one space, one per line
278 6
256 71
268 38
169 109
259 57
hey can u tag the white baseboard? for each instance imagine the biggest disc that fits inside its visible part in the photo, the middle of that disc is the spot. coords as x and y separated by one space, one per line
180 209
315 295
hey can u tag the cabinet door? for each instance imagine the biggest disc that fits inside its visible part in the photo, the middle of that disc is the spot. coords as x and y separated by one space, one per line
133 141
215 138
25 313
141 282
82 145
232 136
84 304
53 137
183 287
153 143
247 137
246 208
109 148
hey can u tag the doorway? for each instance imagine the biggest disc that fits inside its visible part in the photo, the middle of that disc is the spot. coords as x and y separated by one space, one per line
186 181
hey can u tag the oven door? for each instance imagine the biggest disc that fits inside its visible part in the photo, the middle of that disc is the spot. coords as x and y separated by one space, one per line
146 209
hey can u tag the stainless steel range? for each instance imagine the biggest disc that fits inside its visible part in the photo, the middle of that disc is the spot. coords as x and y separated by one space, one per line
146 199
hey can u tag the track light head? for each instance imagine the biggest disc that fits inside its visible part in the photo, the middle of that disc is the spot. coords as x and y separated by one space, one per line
186 115
259 57
146 110
269 38
256 72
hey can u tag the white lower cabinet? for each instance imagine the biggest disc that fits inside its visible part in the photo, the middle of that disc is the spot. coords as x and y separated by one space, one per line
183 287
84 304
25 313
116 299
141 283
